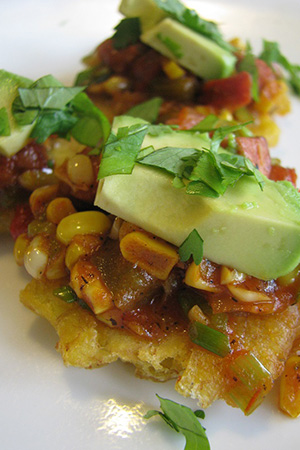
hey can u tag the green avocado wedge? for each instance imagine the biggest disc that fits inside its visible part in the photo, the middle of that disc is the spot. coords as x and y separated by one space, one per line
9 85
252 230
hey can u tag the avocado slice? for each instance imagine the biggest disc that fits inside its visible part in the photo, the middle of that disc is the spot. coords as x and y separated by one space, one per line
195 52
147 11
253 231
9 85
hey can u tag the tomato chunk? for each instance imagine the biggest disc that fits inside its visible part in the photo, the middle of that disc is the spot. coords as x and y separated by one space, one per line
256 149
279 173
231 93
23 216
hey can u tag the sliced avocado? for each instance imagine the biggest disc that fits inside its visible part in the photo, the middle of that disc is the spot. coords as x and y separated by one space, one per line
9 84
191 50
254 231
147 11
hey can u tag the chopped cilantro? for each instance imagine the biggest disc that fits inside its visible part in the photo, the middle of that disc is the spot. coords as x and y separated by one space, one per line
183 420
271 54
121 150
147 110
4 123
127 33
189 17
248 64
56 109
192 246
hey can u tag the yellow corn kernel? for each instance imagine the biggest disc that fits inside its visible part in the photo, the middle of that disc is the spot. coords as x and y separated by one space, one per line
289 391
238 44
88 284
246 296
40 198
80 170
196 314
267 128
36 257
225 114
155 256
59 208
84 222
56 267
172 69
81 245
20 247
194 278
231 276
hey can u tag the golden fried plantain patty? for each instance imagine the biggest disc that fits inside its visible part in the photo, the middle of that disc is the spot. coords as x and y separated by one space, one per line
86 342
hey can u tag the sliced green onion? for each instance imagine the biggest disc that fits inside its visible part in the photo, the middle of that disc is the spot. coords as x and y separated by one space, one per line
251 382
188 298
210 339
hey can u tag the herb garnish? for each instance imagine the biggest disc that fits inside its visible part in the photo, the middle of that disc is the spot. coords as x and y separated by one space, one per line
190 18
192 246
200 171
271 54
127 33
183 420
147 110
56 109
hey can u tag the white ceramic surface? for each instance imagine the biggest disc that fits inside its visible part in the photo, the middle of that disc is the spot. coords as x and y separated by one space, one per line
44 405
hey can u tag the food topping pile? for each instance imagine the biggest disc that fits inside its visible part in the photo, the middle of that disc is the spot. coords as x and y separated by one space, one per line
156 225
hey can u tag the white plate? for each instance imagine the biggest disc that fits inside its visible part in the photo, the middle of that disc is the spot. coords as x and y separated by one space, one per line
44 405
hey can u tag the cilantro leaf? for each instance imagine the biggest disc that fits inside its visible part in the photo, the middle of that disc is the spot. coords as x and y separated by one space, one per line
192 246
60 110
175 160
127 33
183 420
271 54
4 122
189 17
147 110
247 64
121 150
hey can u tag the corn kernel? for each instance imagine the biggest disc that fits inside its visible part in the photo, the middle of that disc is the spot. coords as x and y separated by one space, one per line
196 314
59 208
36 257
246 296
21 244
81 245
39 199
56 268
231 276
87 282
80 170
172 69
149 253
194 278
84 222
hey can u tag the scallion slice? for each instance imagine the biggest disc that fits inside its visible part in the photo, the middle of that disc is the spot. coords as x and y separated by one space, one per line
251 381
210 339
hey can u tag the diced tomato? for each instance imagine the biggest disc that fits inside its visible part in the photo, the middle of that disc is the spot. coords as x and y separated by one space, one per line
32 156
23 216
231 93
8 172
279 173
118 60
187 118
256 149
145 68
265 73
